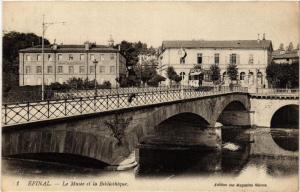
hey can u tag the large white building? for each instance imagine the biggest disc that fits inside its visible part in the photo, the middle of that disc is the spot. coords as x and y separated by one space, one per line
250 56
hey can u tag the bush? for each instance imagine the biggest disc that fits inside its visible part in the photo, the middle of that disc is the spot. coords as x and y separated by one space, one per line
154 81
232 72
104 85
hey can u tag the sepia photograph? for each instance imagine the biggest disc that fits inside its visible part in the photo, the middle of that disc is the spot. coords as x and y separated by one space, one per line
150 96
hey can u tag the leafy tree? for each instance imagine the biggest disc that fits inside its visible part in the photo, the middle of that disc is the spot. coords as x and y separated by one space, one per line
131 52
215 73
156 79
290 47
148 70
232 71
172 75
281 47
283 75
12 42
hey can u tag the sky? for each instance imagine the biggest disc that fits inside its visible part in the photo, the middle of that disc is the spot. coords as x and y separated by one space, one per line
153 22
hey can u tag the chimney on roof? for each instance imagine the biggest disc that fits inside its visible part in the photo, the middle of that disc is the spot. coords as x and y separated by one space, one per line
111 41
54 46
87 45
258 40
264 36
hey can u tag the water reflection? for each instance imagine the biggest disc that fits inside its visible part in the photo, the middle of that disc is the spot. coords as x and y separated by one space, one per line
237 156
231 161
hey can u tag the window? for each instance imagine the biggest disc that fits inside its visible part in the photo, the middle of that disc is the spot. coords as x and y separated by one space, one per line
259 78
49 69
112 69
28 58
70 57
39 57
38 69
217 58
112 56
81 69
242 76
102 69
182 74
199 58
81 57
27 69
60 57
233 58
101 57
60 69
251 78
71 69
251 59
49 57
92 57
92 69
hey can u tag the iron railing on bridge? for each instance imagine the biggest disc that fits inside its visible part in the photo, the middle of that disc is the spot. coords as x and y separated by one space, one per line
18 113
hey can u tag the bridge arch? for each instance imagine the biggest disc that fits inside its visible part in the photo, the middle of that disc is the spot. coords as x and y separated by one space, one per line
286 117
234 112
284 127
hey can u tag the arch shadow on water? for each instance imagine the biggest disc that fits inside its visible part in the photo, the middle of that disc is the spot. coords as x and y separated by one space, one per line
284 127
175 150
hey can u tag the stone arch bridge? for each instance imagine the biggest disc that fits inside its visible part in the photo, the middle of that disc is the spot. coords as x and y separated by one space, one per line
96 135
110 136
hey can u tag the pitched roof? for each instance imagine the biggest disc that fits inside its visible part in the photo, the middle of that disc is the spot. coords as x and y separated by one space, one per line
68 49
235 44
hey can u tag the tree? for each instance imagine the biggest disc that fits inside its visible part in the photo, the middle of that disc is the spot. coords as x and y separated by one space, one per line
131 52
215 73
172 75
156 79
281 47
148 70
232 71
12 42
283 75
290 47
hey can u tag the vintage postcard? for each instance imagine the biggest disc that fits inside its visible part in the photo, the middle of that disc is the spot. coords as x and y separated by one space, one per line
150 96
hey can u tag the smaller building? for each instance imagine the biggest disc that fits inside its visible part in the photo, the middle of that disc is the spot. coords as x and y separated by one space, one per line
62 62
284 57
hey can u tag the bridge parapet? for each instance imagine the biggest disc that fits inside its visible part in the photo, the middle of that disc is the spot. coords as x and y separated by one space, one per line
276 93
20 113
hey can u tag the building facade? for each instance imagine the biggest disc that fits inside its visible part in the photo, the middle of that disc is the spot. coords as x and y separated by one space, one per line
250 56
62 62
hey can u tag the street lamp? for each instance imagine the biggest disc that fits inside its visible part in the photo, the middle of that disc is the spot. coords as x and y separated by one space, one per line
44 28
95 63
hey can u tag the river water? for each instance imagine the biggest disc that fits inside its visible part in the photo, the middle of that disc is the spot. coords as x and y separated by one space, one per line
262 157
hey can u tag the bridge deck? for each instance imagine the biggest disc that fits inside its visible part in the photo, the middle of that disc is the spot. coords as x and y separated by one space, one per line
21 113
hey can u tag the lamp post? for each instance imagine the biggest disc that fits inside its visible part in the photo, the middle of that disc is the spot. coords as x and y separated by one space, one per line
95 63
44 28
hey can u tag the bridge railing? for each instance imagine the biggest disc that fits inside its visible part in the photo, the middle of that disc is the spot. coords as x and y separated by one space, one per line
19 113
277 91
